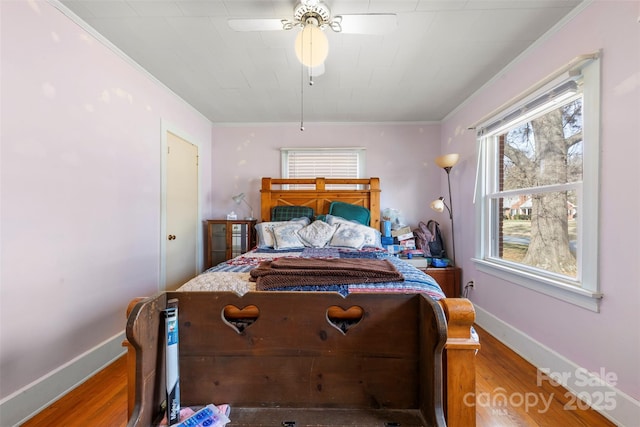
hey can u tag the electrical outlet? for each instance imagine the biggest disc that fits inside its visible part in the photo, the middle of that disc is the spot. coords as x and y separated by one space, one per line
465 292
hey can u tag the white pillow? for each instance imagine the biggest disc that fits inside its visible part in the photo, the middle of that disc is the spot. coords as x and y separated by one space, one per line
317 234
285 236
348 235
372 237
264 231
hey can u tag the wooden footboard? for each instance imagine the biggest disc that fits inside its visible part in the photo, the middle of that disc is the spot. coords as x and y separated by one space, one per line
390 365
459 363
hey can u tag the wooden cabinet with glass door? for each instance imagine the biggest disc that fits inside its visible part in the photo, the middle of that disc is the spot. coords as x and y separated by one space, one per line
227 239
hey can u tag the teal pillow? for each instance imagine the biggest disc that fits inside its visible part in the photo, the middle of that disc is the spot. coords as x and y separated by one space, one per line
350 212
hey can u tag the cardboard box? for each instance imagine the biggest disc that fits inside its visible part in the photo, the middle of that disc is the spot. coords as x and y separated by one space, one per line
408 244
406 236
400 231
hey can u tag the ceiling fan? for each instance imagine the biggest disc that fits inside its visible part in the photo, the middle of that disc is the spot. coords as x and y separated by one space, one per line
318 13
314 16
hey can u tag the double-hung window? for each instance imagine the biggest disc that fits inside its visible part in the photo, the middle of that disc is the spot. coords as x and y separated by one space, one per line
537 189
323 162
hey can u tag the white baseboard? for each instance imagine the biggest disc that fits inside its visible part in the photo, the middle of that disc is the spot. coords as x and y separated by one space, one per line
28 401
615 405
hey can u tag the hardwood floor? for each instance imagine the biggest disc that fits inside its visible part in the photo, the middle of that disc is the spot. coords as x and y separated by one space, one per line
502 373
102 400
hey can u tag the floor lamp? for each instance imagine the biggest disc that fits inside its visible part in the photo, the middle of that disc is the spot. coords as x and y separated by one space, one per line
447 162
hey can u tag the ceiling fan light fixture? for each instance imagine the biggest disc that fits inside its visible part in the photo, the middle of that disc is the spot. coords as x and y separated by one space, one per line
311 45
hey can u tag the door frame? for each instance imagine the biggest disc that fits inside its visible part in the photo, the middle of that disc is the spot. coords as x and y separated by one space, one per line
166 127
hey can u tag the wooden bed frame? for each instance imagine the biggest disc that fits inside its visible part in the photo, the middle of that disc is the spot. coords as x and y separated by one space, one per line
291 363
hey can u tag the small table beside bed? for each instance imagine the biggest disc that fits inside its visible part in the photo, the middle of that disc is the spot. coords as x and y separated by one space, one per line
318 325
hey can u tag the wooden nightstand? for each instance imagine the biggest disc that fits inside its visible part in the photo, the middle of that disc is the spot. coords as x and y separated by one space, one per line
227 239
449 278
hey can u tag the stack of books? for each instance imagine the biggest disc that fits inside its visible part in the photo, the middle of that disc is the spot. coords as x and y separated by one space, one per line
405 237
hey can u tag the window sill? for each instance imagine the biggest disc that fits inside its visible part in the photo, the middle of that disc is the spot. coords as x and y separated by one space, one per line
577 296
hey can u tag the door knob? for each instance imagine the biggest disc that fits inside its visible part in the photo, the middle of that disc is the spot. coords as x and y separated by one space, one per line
172 237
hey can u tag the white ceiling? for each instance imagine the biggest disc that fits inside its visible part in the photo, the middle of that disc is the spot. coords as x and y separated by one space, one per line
440 53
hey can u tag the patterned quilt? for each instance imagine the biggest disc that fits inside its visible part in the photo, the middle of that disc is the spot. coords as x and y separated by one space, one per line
233 275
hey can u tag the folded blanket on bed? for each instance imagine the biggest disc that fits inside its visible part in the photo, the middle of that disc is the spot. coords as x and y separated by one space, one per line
285 272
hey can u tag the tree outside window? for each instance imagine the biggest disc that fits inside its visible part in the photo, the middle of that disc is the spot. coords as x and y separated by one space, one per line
541 168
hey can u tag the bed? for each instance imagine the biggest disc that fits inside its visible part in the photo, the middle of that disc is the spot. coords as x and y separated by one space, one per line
370 352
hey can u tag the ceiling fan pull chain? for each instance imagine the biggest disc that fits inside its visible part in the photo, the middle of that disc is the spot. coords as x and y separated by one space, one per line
311 54
301 97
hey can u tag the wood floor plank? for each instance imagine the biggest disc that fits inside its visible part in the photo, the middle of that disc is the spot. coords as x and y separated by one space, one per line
102 400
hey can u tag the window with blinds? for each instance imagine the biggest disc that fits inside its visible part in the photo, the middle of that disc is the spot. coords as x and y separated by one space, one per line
538 182
323 162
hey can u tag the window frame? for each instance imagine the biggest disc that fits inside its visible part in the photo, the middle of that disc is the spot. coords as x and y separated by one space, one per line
587 294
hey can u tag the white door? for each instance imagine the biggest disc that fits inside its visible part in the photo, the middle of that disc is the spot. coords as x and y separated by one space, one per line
181 211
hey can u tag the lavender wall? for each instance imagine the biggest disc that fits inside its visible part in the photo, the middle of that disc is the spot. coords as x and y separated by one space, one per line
608 340
400 155
81 189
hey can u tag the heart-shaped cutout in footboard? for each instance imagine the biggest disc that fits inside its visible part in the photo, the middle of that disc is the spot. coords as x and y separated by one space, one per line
344 319
240 319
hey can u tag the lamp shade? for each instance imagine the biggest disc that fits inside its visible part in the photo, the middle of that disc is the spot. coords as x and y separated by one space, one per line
312 46
238 198
437 205
448 160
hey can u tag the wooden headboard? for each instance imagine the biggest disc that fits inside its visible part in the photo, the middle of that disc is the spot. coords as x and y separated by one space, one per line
275 192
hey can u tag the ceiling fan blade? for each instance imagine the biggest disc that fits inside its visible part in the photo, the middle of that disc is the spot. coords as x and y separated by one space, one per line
255 24
369 23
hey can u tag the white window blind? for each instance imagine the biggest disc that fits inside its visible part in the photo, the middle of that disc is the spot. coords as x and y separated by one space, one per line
322 162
